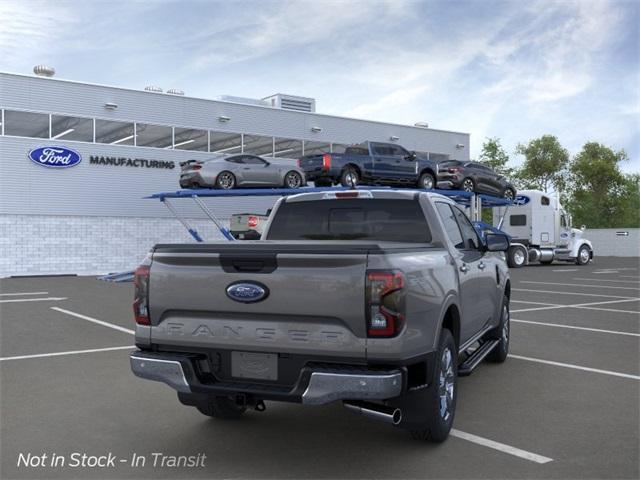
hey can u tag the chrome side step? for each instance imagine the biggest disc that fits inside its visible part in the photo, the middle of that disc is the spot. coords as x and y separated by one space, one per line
469 365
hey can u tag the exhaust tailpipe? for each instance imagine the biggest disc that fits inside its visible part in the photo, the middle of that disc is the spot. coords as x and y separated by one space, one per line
387 414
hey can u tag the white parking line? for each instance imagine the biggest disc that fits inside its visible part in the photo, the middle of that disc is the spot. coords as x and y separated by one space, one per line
633 312
72 352
47 299
628 276
570 293
94 320
589 306
580 285
536 303
598 330
23 293
566 270
576 367
485 442
605 280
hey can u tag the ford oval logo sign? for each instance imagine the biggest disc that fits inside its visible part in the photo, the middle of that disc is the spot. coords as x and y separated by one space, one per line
521 200
55 157
247 292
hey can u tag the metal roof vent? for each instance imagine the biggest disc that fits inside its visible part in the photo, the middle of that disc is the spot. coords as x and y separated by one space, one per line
44 71
291 102
153 88
421 124
175 91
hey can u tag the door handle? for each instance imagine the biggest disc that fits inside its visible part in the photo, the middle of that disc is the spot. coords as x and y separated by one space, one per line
464 268
481 266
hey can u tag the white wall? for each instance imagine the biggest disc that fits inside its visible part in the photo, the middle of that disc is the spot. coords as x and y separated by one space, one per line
606 242
57 244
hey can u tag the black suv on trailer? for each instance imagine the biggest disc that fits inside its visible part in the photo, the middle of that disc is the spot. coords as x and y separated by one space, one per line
474 177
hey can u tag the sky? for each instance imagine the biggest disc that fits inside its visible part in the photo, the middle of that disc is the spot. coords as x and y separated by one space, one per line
515 70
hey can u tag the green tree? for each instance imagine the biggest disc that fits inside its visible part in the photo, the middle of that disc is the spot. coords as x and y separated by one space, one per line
545 164
600 195
493 155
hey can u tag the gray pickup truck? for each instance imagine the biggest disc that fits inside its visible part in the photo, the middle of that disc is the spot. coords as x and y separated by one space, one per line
375 298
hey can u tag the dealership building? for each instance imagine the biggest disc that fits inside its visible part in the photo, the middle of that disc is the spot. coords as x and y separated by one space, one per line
91 217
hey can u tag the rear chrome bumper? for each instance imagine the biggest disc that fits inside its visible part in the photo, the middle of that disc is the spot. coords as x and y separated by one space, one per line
314 387
325 387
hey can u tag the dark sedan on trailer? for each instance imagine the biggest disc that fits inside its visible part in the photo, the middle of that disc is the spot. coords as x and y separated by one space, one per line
474 177
243 170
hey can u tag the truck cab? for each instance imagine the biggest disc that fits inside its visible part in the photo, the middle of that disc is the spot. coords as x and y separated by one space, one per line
541 231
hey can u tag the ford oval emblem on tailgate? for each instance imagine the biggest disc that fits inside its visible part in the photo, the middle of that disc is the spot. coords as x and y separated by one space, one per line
247 292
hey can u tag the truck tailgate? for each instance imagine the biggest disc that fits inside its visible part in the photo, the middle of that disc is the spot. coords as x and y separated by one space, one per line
314 301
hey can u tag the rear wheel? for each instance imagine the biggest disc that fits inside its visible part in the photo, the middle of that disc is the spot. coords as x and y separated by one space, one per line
509 194
293 179
224 408
441 396
226 180
349 178
584 255
427 181
468 185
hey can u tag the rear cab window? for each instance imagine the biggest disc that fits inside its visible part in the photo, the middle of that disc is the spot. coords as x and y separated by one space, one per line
385 220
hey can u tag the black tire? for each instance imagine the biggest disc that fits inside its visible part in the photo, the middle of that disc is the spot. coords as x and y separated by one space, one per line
224 408
584 255
292 179
440 417
509 194
427 181
516 256
349 177
468 185
225 180
503 333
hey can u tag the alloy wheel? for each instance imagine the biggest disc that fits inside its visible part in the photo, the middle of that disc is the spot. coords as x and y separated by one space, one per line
446 384
467 185
226 181
293 180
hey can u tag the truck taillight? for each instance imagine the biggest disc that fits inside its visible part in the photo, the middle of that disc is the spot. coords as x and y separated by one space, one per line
384 303
141 296
326 161
252 222
195 167
299 162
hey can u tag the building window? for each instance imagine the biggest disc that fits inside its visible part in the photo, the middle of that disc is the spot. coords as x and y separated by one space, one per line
225 143
287 148
26 124
71 128
158 136
316 148
258 145
190 139
114 133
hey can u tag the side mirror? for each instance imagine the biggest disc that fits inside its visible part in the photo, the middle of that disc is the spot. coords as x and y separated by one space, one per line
496 242
411 157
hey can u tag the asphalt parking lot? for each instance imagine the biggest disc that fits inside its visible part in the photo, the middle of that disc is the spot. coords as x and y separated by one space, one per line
564 405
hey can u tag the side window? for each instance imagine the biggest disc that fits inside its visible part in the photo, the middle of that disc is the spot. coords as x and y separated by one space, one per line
237 159
469 234
544 201
517 220
563 221
399 151
450 224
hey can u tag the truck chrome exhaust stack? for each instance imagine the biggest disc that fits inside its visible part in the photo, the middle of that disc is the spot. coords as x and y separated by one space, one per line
384 413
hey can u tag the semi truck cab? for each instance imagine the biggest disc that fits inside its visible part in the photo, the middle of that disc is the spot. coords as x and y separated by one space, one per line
541 231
